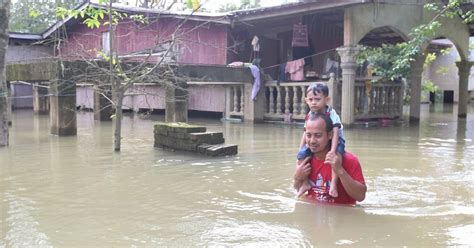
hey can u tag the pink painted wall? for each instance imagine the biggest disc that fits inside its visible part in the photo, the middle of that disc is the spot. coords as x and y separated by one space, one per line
201 98
197 43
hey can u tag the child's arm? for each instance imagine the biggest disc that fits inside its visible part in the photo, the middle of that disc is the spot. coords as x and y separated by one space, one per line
335 139
303 141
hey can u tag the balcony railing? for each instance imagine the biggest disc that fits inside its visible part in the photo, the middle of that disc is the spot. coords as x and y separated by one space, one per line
379 100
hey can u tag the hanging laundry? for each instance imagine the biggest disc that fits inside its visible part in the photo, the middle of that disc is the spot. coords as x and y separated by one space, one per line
254 57
300 36
256 84
255 44
296 69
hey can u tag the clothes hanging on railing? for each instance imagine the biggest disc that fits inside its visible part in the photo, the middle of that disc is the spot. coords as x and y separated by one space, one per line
296 69
256 84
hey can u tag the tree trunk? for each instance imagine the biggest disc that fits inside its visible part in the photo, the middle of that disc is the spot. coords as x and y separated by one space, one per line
117 94
118 122
4 17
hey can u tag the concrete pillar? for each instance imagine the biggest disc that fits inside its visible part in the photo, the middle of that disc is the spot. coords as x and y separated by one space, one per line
464 69
176 107
415 87
40 99
63 104
254 110
103 109
348 65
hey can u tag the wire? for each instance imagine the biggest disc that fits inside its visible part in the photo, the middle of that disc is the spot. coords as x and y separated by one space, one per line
312 55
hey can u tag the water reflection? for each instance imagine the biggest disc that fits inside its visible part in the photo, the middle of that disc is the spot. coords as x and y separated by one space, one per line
74 191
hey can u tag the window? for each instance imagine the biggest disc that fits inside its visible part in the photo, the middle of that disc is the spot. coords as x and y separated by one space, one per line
106 43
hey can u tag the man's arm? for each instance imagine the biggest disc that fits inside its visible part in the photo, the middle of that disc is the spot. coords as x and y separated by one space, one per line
354 188
302 171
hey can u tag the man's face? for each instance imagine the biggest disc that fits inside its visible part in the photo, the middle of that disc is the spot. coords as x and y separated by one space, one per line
316 101
316 136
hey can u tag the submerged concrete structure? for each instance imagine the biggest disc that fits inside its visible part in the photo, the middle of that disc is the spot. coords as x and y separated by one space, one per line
184 137
62 90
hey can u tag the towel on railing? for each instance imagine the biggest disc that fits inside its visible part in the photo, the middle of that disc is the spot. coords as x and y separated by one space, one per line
296 69
256 84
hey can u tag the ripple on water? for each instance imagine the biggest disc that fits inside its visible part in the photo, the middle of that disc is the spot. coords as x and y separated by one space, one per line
269 202
22 227
461 235
232 232
419 196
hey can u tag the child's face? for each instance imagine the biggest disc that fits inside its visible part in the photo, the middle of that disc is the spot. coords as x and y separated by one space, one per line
316 102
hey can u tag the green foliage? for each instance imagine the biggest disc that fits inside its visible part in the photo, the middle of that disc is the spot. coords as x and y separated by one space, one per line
384 61
446 51
430 57
429 86
244 4
442 70
35 16
94 17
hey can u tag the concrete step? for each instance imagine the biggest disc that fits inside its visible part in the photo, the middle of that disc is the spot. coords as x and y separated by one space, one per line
218 150
212 138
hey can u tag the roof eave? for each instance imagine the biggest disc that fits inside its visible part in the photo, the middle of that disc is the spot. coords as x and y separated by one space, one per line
297 9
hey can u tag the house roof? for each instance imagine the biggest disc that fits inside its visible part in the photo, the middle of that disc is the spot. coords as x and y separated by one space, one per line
233 18
228 18
290 9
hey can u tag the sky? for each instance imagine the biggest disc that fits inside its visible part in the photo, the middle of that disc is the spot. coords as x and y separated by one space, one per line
215 4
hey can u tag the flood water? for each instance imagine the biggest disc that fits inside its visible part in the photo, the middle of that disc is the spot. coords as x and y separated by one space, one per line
76 192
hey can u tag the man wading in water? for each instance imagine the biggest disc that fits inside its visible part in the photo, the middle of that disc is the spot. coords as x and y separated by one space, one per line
351 185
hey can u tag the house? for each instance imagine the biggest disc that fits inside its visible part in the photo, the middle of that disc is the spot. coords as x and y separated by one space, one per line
327 32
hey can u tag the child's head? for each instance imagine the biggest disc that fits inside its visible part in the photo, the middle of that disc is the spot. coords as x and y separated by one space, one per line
317 97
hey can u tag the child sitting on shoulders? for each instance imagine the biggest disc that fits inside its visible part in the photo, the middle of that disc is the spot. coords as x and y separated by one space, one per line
317 98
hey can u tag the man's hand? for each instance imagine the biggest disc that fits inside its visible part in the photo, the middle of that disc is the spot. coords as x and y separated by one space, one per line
302 171
335 162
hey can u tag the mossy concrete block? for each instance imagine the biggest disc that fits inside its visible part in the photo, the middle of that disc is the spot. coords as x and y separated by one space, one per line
161 129
40 71
179 127
182 136
212 138
189 129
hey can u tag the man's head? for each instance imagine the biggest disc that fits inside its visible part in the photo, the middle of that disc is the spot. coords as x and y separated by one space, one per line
317 97
318 134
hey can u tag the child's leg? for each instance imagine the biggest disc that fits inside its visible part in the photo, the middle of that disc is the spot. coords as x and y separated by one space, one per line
303 153
333 188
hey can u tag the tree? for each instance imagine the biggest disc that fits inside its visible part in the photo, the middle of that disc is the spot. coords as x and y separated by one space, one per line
157 4
244 4
4 16
35 16
120 73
